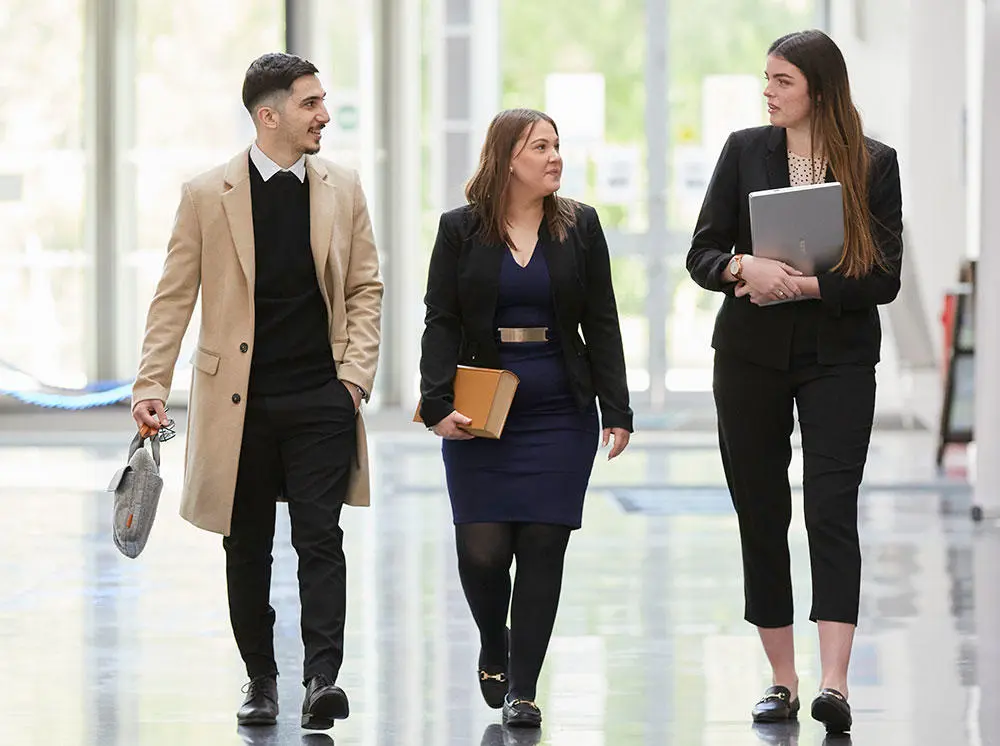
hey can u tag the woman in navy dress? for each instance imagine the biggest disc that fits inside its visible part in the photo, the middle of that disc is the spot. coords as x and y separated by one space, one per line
515 277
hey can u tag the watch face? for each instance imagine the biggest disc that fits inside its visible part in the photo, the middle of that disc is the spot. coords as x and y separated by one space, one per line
734 266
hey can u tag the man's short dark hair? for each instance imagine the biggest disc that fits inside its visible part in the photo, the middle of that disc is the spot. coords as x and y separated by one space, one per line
272 73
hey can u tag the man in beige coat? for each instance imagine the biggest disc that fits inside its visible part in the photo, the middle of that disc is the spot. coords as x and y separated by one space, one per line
280 245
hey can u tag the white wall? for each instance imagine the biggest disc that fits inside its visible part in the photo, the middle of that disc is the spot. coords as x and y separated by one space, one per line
908 62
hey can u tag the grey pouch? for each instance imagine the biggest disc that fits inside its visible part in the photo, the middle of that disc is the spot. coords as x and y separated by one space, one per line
137 487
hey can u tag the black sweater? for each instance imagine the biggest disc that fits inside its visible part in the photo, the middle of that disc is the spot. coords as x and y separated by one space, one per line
291 339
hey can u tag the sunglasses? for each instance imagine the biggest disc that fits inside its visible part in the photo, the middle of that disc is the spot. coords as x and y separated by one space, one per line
165 433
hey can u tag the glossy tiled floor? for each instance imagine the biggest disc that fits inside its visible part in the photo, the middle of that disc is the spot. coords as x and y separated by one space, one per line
649 647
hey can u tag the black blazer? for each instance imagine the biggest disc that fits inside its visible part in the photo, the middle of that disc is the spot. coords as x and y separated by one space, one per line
849 330
462 287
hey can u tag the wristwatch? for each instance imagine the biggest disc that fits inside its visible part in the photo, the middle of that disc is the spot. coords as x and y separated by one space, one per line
364 394
736 267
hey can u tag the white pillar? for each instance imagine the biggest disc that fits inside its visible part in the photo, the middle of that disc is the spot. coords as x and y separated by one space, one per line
934 205
902 106
987 422
987 428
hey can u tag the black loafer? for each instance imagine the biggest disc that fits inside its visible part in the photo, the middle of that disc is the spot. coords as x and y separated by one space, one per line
493 685
493 679
261 704
775 706
324 702
521 713
830 708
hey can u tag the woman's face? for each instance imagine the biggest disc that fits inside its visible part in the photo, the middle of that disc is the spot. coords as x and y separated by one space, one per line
787 94
535 160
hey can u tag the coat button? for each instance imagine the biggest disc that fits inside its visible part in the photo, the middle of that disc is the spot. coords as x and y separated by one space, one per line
236 398
244 347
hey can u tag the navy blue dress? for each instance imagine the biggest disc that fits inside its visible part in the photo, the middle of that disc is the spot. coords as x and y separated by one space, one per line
538 470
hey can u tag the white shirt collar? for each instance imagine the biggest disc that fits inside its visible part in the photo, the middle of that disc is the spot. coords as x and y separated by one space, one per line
269 168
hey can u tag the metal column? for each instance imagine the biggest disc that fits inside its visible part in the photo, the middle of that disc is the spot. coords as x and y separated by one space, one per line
398 194
658 295
298 28
102 183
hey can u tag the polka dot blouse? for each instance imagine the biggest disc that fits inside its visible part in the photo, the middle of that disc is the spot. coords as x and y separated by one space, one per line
803 170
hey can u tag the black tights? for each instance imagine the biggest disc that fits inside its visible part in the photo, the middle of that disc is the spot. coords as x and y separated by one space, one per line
485 551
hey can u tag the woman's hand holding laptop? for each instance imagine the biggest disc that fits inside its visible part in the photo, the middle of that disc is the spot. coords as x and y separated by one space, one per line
768 281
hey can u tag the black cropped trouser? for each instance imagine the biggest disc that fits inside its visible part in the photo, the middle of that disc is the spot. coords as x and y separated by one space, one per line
836 406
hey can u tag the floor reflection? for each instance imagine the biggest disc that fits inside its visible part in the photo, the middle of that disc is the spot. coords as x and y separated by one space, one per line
778 734
649 648
498 735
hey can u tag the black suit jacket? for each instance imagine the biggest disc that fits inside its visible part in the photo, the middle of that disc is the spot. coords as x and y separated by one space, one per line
462 286
849 330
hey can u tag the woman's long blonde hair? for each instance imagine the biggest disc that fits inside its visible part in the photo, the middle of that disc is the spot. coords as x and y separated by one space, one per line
487 191
835 126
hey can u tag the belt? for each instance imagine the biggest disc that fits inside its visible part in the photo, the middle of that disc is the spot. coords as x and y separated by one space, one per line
523 334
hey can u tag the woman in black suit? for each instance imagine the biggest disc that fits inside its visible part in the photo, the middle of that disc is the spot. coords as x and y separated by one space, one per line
818 353
514 277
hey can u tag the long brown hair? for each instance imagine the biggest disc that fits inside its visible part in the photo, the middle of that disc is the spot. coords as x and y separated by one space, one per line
487 191
836 126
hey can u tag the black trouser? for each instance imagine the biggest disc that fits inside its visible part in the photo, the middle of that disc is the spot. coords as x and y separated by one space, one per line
301 445
836 405
485 553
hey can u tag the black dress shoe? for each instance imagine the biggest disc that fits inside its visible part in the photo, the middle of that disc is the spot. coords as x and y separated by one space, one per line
830 708
776 705
493 679
261 704
521 713
324 702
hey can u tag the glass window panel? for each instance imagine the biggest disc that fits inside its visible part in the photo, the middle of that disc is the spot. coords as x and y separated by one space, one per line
189 61
44 264
715 76
343 44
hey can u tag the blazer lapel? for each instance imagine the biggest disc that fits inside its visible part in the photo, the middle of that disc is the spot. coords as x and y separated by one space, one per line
777 159
322 218
561 262
487 259
239 211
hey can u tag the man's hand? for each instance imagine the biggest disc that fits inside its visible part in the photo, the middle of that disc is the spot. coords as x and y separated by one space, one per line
355 393
151 413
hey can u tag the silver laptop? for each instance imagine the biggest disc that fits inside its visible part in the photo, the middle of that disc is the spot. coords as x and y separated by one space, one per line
802 226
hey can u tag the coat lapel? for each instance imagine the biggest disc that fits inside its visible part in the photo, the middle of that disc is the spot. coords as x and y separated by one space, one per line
239 211
777 159
322 218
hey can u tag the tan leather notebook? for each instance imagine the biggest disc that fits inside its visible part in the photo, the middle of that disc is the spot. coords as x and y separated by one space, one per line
483 395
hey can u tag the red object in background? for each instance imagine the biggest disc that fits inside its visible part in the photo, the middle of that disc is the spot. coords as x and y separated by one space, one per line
948 321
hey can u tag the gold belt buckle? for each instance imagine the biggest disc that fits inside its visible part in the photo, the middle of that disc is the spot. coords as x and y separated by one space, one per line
524 334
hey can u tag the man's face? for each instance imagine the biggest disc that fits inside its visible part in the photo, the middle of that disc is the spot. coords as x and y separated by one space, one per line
303 115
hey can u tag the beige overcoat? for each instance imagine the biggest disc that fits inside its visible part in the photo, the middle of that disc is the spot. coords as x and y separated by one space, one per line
212 249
